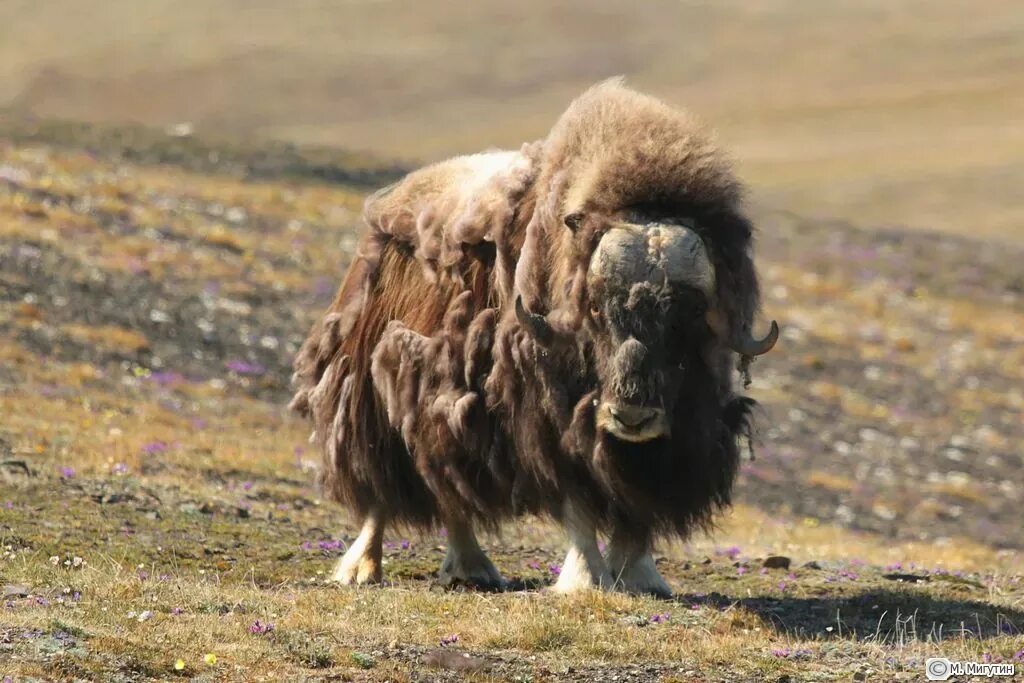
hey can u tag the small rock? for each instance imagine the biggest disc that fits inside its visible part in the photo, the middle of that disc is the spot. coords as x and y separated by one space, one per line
13 590
906 577
455 661
776 562
813 564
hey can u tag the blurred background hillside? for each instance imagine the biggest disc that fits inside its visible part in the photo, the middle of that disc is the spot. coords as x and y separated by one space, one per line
899 114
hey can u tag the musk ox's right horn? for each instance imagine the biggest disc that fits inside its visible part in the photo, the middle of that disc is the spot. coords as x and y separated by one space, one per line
538 325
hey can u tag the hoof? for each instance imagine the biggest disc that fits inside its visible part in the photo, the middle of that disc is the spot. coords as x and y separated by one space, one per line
476 572
357 571
642 578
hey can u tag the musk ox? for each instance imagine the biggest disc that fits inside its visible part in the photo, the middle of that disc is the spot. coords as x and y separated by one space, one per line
552 330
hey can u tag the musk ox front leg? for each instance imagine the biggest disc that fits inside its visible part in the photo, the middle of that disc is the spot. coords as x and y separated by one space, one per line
632 565
465 562
361 563
584 567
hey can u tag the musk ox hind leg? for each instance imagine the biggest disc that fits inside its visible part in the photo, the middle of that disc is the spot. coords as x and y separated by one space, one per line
465 563
584 567
632 565
361 563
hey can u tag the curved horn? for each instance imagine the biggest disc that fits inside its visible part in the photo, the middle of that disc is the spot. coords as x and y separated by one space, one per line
745 345
536 324
749 346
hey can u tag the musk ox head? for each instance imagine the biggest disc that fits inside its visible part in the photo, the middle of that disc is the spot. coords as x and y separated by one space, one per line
650 293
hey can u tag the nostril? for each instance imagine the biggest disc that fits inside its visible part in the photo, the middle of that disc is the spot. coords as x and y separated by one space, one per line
631 416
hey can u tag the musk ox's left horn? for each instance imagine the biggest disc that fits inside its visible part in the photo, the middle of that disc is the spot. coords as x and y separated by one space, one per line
743 344
747 345
536 324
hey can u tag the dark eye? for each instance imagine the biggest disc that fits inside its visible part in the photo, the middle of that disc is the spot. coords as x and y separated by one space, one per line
595 311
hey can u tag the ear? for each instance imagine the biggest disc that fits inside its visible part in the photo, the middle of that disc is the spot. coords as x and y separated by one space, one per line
574 220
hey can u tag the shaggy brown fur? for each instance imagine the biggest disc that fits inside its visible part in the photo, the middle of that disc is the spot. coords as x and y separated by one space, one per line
430 398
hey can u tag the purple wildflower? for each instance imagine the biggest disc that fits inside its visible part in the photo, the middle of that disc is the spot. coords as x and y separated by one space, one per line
245 368
154 447
741 570
732 552
177 611
555 569
449 640
534 564
247 485
119 468
406 545
260 627
329 545
166 379
67 472
659 618
782 652
306 545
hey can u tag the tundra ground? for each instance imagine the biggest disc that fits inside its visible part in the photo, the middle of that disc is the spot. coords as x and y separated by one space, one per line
157 513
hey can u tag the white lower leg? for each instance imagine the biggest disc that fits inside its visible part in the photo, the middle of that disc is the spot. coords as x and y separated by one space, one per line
583 567
361 563
632 565
465 562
